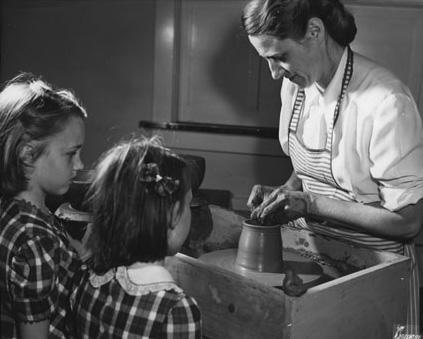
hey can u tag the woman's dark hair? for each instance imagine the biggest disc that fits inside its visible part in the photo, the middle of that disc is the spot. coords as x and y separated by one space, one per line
130 204
30 110
289 18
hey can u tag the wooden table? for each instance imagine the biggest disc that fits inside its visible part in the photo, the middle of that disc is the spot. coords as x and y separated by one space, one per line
366 303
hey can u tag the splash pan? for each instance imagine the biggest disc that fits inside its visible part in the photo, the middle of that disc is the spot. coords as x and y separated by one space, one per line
310 272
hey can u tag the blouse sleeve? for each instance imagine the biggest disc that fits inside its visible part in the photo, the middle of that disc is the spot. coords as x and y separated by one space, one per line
184 320
32 279
396 152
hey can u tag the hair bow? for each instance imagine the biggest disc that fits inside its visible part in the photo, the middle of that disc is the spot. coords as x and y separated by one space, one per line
163 186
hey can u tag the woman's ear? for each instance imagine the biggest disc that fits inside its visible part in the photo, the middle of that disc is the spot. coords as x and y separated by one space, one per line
315 29
176 215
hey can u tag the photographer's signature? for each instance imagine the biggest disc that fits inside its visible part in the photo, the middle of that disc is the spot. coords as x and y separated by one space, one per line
401 333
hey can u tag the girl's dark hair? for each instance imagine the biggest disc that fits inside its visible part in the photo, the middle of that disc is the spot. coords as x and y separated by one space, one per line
289 18
131 215
30 110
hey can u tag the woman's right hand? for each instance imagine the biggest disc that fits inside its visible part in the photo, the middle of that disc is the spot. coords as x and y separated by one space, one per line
259 193
260 197
278 205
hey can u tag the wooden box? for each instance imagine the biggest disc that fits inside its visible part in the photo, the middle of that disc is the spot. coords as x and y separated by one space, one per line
367 303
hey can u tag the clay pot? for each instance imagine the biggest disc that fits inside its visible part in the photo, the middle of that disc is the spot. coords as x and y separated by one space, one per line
260 248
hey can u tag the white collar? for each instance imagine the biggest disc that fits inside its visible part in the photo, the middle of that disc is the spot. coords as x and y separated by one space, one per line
138 279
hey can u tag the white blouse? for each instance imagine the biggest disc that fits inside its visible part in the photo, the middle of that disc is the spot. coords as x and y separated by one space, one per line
377 150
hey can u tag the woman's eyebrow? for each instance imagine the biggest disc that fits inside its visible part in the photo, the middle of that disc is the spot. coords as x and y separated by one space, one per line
276 56
75 147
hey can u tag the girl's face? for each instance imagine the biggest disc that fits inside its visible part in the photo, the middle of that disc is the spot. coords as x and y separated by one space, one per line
55 168
179 233
288 58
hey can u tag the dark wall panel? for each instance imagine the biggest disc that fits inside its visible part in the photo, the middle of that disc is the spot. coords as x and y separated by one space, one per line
103 50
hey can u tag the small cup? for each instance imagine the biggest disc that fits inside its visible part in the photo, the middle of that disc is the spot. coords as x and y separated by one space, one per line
260 248
79 188
74 221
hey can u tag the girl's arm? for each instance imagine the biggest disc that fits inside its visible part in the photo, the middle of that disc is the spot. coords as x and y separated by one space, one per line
33 275
183 320
34 330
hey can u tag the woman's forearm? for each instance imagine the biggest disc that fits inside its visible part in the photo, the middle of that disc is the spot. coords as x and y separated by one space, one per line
293 183
401 224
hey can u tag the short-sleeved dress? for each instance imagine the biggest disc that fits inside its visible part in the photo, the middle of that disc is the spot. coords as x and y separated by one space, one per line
36 269
141 301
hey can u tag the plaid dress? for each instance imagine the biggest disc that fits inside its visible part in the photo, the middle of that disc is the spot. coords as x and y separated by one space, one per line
36 269
147 305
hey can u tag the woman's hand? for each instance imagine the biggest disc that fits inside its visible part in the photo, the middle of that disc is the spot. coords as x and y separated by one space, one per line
259 193
279 206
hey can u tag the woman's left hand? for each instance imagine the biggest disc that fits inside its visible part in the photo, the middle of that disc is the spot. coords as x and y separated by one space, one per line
282 206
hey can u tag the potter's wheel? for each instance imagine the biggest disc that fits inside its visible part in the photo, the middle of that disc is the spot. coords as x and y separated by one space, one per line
309 271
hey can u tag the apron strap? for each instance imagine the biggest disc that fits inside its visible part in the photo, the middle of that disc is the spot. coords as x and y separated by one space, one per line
296 110
345 81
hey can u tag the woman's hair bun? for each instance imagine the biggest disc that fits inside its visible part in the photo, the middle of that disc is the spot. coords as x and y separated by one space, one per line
289 18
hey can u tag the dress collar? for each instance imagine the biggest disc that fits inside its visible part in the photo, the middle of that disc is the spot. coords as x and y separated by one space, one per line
138 279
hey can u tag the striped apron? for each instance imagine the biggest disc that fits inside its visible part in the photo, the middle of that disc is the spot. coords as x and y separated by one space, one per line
314 168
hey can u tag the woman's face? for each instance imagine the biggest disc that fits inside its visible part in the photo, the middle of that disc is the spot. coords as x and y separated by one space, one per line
287 58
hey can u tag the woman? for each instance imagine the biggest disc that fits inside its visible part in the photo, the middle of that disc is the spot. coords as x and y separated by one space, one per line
351 128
